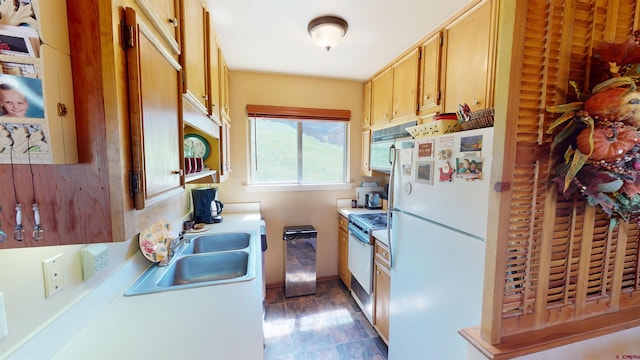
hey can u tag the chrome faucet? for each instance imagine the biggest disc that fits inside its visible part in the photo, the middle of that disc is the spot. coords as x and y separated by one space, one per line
176 246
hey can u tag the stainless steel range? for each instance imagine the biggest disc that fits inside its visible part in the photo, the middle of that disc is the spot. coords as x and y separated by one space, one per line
360 261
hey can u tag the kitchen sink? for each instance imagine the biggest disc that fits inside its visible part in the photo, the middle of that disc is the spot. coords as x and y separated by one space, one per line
206 260
206 268
218 242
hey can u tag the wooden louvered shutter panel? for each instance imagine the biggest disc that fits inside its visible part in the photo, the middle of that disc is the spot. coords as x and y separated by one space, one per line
563 261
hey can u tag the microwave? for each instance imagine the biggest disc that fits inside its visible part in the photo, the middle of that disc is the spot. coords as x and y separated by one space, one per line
383 142
381 155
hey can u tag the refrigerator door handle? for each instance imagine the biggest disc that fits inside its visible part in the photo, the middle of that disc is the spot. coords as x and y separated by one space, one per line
391 205
392 154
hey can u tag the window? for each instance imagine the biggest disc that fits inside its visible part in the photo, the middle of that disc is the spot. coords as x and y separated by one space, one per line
297 146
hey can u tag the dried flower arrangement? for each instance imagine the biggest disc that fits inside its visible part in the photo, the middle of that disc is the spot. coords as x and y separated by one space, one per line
597 147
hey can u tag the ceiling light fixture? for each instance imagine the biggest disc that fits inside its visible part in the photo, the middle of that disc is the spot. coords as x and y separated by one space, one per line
326 31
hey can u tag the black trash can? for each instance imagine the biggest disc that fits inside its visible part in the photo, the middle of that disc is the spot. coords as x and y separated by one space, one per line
300 260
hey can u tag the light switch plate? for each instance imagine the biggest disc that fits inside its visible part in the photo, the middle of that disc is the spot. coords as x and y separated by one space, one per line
53 275
4 330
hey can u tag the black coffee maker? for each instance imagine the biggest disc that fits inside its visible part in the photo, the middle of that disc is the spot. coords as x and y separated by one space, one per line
206 207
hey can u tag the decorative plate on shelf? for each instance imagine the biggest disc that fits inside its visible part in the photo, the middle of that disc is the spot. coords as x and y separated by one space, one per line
196 146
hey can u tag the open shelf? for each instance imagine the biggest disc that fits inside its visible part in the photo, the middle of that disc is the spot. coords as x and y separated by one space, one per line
202 177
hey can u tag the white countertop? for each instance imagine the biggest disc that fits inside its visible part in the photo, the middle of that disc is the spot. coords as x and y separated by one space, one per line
219 321
346 211
381 236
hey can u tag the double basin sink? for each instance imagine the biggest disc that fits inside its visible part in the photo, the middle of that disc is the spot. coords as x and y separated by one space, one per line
205 260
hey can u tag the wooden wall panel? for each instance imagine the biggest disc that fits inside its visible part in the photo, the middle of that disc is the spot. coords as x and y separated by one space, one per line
74 200
565 260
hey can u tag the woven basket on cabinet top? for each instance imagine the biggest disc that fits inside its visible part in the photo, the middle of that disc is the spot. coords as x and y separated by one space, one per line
479 119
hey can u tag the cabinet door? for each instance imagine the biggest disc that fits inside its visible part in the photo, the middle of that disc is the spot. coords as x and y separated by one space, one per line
343 255
154 114
224 88
163 15
405 85
193 54
381 90
382 292
225 151
365 168
59 105
430 79
213 69
366 105
467 57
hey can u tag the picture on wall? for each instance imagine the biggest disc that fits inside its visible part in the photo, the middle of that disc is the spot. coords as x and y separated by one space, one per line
21 97
15 43
12 68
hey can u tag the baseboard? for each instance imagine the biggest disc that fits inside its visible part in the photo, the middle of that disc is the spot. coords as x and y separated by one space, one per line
318 279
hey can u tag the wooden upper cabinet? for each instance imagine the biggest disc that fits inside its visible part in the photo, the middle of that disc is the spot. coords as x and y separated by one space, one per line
365 168
405 85
381 92
430 75
154 103
194 57
164 16
395 91
225 151
213 68
366 105
224 89
467 47
47 127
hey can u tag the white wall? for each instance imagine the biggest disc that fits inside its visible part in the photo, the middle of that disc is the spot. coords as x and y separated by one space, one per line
21 281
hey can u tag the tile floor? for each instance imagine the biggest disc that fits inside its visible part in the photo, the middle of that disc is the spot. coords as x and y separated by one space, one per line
328 325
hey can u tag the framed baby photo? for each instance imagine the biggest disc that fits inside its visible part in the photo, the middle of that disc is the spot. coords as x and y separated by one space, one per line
425 148
424 172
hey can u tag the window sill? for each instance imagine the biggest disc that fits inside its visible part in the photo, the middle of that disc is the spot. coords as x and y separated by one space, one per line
297 187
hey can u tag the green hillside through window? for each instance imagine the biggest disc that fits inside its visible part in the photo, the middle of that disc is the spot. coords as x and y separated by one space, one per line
276 156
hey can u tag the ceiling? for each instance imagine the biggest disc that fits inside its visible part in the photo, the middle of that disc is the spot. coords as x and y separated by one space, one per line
271 35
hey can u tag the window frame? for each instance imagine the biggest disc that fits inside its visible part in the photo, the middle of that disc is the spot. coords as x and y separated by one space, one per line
299 115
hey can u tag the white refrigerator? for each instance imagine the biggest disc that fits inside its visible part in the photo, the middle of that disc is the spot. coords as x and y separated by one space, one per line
440 189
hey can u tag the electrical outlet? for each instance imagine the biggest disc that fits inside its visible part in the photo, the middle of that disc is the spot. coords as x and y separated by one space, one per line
53 275
4 330
95 258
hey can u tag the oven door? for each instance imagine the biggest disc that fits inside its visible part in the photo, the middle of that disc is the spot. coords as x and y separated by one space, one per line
360 262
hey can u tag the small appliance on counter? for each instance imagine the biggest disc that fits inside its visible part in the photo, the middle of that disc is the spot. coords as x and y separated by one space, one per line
206 207
363 191
373 200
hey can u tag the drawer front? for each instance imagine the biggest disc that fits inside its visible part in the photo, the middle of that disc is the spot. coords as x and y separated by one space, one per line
382 254
343 222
